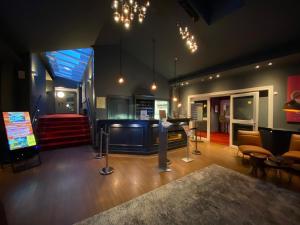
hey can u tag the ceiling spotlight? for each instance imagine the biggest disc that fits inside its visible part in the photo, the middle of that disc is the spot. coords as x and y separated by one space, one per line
210 77
175 99
218 75
270 64
257 67
121 80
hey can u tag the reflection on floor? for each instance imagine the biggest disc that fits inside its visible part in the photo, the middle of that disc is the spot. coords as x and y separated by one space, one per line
68 188
216 137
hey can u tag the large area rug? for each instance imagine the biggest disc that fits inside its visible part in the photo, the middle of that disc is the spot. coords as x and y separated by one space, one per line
214 195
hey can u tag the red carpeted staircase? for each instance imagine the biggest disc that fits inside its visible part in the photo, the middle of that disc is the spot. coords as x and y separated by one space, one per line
63 130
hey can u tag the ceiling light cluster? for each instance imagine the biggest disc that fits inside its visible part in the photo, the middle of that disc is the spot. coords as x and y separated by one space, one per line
188 38
126 10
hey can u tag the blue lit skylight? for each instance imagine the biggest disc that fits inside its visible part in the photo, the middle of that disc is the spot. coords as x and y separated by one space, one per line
69 64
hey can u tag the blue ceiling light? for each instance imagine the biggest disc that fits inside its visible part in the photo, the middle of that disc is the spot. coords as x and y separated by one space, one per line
69 64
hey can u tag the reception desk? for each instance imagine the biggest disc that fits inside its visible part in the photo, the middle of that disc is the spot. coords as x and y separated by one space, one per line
140 136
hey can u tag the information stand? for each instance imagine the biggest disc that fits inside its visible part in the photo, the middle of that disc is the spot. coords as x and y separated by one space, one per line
163 147
187 158
21 143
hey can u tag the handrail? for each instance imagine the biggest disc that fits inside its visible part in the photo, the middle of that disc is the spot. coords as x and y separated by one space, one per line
91 114
36 111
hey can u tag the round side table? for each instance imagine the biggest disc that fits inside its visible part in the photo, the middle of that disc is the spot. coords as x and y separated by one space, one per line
257 161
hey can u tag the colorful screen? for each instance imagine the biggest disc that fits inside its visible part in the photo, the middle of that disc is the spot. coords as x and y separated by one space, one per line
19 130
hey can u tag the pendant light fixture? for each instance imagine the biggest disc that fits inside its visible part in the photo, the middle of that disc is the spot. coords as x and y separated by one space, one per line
121 79
126 10
153 86
179 102
175 99
189 38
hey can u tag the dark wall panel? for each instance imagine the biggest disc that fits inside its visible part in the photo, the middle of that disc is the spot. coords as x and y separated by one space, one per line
138 77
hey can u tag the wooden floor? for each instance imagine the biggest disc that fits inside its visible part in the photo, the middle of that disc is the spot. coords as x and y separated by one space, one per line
67 187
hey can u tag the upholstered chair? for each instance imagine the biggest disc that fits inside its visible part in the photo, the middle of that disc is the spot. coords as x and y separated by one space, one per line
294 150
250 142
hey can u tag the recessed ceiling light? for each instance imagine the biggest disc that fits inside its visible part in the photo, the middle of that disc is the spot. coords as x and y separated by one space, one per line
257 67
218 75
270 64
210 77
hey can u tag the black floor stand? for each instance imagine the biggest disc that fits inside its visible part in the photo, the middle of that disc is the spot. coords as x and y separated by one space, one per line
196 151
25 159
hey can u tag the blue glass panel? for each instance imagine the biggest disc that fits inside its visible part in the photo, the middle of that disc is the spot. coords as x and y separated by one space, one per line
69 64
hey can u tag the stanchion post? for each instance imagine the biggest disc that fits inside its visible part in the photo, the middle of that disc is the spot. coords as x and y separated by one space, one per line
107 169
99 154
196 151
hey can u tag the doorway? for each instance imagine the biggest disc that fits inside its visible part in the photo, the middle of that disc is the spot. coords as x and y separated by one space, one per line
220 120
66 101
250 109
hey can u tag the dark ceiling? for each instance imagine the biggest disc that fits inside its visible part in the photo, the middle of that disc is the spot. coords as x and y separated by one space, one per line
254 29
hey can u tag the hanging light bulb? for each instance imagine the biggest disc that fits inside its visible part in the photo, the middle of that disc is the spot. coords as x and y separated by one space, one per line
127 23
144 9
141 18
189 38
175 99
153 86
115 4
179 105
131 16
117 17
129 9
125 9
121 80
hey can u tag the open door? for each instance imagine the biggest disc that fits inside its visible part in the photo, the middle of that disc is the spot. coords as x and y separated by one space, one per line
244 110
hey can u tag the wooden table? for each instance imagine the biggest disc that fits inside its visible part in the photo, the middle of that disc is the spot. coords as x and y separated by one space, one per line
257 161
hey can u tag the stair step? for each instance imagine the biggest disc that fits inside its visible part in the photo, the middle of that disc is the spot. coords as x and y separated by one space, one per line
64 138
56 131
59 123
62 127
81 118
64 144
66 132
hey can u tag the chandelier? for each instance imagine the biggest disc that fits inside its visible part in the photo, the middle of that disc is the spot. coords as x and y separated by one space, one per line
125 11
189 39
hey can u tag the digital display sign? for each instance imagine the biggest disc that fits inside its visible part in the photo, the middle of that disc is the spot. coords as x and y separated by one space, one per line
19 130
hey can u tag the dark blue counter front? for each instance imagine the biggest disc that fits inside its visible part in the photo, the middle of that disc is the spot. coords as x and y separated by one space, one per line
139 136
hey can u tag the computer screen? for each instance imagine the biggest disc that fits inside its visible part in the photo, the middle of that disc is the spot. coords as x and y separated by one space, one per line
19 130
